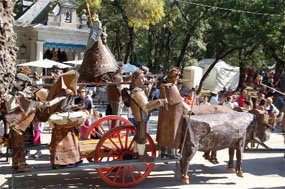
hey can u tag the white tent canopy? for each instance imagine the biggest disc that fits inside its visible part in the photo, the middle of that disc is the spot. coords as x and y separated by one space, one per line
46 63
222 75
194 75
75 62
129 68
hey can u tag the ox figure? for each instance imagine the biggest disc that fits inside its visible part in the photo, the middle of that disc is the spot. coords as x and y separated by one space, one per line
216 132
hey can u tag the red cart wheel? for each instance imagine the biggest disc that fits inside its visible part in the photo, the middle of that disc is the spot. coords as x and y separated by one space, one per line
103 125
120 147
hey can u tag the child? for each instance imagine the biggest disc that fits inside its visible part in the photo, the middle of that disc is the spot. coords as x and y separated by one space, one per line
84 128
96 115
38 129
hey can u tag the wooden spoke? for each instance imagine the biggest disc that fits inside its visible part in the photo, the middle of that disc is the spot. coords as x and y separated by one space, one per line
132 142
97 133
110 149
109 171
101 127
131 173
109 125
119 137
124 174
114 144
116 175
119 152
137 170
126 142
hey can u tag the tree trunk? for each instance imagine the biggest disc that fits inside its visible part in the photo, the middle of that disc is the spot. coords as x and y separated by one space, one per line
241 71
119 50
218 57
8 49
168 52
179 63
149 61
183 50
280 65
159 49
206 75
130 45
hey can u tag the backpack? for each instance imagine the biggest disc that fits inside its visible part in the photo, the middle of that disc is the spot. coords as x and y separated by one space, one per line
126 97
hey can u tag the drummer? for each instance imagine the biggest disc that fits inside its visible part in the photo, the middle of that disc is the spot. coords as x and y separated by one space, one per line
64 148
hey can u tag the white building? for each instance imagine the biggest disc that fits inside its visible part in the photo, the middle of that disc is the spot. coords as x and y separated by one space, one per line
51 31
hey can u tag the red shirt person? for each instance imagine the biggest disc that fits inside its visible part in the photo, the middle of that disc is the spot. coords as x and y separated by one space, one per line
242 98
191 98
229 92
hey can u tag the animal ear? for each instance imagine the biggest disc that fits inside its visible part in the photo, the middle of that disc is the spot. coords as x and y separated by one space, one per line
261 115
238 109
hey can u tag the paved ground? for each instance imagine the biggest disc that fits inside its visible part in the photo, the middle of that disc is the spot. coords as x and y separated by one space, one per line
261 170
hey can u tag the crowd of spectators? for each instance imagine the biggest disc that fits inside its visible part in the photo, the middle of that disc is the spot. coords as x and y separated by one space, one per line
244 101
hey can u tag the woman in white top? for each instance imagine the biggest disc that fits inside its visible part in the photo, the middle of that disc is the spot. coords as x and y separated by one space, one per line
272 111
205 101
234 102
269 106
228 102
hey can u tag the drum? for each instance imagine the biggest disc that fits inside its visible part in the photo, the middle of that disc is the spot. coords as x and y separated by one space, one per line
68 119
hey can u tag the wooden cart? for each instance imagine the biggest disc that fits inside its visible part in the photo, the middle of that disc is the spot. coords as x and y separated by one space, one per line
112 154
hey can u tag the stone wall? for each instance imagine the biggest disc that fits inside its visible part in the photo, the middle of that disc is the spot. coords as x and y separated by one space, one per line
8 49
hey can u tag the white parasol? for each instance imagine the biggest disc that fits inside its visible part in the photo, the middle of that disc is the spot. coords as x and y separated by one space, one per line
46 63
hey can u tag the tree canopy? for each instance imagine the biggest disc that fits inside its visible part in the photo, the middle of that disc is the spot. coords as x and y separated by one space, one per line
161 34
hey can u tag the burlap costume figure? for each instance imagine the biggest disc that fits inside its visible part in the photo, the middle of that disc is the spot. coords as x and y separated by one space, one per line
114 95
98 59
64 148
20 118
170 117
140 107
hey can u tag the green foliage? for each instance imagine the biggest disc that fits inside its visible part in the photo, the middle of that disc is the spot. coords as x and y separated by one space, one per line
142 13
239 31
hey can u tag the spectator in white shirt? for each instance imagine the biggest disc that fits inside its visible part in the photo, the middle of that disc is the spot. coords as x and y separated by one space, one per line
205 101
214 98
228 102
272 111
90 94
234 102
269 106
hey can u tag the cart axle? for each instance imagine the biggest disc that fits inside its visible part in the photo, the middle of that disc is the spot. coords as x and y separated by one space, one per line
92 165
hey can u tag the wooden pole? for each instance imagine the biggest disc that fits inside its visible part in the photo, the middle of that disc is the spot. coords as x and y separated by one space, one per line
106 83
89 13
272 89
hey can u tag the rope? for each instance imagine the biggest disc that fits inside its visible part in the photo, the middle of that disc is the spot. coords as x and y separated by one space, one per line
187 128
227 9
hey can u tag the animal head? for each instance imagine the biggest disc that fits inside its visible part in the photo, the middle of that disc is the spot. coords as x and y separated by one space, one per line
262 128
